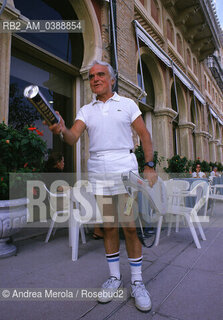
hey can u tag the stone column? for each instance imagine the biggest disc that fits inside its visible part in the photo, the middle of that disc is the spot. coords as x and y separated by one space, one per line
219 152
186 139
212 150
206 138
162 132
200 140
198 145
9 13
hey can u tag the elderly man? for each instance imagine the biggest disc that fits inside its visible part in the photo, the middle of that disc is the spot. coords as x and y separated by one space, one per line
109 120
214 172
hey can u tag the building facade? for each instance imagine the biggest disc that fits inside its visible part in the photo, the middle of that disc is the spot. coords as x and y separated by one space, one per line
168 55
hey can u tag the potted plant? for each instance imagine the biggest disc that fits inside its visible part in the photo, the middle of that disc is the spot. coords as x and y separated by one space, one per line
178 167
22 151
141 158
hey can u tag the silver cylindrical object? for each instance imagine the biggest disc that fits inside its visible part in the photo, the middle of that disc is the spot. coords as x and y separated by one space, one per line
33 94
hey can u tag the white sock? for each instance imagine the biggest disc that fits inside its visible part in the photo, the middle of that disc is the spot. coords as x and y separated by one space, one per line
136 269
114 265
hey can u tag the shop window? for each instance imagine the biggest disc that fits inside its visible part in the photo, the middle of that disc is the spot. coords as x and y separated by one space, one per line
50 61
55 85
155 11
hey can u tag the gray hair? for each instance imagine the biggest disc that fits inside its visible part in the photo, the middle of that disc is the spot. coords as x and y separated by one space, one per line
110 69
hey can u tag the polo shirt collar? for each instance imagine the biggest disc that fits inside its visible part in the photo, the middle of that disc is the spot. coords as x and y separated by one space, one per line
115 97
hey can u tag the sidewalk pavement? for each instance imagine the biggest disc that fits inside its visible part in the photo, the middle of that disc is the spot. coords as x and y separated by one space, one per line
185 283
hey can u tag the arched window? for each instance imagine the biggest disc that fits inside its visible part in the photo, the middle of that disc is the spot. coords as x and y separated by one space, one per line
192 113
67 46
147 103
210 123
175 129
148 83
218 133
155 11
188 58
194 121
209 87
179 44
195 66
205 82
170 32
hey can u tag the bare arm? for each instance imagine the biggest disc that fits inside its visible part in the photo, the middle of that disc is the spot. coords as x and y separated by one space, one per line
144 135
71 135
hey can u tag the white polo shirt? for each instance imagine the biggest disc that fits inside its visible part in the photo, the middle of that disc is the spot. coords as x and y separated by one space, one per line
200 174
109 123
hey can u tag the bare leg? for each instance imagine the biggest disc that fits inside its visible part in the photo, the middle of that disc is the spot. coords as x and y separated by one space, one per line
133 245
111 234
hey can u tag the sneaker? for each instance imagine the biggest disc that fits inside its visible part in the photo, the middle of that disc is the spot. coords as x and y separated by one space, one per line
141 295
109 287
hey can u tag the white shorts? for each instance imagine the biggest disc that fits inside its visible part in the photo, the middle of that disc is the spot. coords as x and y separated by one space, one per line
105 169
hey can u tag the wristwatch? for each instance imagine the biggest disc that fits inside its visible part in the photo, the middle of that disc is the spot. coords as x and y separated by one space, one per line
150 164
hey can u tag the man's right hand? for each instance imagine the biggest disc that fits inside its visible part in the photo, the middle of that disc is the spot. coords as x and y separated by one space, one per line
70 136
57 128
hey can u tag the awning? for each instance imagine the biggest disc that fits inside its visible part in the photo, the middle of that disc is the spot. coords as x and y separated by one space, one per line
143 35
199 96
214 114
148 40
182 77
220 121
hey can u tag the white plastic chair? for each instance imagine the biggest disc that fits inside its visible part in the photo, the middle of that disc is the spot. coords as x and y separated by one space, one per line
86 212
59 210
56 209
183 186
215 196
206 193
176 208
155 196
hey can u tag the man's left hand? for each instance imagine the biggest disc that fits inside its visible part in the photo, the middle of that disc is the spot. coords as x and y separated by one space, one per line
151 175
